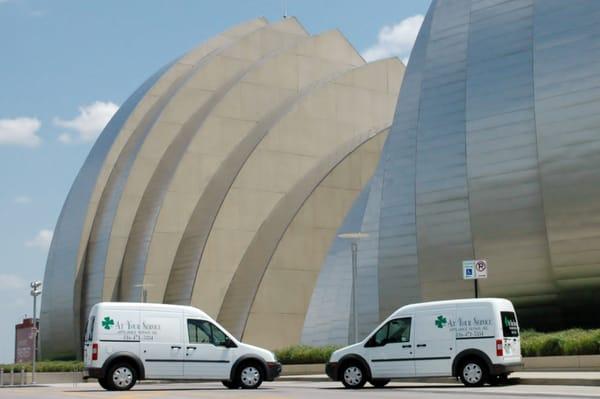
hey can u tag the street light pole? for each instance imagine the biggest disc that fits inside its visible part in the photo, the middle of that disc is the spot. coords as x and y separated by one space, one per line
36 290
354 247
354 237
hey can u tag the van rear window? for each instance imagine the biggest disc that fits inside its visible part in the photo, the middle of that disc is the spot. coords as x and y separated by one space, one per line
89 333
510 328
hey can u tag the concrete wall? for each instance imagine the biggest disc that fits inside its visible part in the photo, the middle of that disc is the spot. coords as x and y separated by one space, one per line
191 192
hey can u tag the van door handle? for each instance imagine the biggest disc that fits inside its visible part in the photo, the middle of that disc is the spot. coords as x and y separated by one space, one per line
175 347
191 347
421 345
407 346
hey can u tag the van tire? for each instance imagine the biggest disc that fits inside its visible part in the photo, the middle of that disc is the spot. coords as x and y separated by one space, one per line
102 383
353 375
380 382
473 372
250 375
121 376
230 384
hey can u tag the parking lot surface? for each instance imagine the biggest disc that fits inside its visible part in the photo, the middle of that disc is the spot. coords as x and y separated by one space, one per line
297 390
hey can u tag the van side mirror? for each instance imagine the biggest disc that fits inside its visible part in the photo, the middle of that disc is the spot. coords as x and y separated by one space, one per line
372 343
228 343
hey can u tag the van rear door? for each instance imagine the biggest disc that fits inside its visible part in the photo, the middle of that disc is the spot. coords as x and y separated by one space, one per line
510 335
88 337
161 340
434 342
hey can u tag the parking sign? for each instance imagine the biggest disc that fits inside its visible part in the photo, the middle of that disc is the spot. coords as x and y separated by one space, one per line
468 270
474 269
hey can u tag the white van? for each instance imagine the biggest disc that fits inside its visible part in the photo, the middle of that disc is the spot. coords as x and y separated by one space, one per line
126 342
476 340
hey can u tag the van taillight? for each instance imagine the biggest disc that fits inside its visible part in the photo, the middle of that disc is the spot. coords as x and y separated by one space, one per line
499 348
94 351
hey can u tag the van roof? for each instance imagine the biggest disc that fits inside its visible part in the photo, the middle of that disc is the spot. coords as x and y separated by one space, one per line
501 302
152 306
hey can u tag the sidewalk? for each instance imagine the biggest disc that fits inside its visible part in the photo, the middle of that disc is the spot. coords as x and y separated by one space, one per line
580 378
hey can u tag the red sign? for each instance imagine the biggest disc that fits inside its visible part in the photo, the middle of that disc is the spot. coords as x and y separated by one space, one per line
24 334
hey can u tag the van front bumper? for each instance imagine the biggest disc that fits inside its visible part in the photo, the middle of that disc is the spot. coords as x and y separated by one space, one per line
331 369
499 369
273 370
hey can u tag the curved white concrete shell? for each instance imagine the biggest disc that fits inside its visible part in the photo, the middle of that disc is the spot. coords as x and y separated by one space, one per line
223 164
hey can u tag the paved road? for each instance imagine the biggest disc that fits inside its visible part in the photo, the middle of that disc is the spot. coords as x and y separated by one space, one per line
298 390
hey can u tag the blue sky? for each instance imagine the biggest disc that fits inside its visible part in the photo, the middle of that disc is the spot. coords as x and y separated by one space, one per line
65 67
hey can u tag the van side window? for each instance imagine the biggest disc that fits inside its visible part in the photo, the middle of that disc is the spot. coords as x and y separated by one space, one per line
394 331
218 336
199 331
399 330
204 332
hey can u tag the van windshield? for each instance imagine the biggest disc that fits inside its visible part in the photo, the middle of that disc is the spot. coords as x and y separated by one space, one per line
510 327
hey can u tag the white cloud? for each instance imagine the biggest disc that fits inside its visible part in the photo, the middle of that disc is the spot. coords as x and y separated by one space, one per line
20 131
396 40
91 120
65 138
22 200
42 240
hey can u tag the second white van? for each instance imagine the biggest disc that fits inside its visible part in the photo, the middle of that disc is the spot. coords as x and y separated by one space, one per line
127 342
476 340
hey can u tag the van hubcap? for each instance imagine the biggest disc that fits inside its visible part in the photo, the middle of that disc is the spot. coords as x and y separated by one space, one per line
353 375
472 373
122 377
250 376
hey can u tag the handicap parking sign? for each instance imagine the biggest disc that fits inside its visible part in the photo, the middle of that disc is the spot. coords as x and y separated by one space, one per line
468 270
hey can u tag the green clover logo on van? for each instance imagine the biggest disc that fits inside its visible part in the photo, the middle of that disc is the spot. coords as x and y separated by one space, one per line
107 323
441 321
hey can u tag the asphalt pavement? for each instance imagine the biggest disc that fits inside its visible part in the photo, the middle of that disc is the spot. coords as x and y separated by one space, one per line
301 389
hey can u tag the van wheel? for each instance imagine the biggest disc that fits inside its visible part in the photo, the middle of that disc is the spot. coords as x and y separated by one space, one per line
230 384
249 376
353 375
102 383
473 373
380 382
121 377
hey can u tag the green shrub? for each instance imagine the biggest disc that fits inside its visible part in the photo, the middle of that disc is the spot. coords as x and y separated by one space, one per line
561 343
303 354
45 366
533 343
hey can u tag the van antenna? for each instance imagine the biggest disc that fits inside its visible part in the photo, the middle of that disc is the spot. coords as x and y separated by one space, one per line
284 8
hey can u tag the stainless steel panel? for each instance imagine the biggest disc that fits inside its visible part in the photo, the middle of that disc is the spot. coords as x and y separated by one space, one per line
566 53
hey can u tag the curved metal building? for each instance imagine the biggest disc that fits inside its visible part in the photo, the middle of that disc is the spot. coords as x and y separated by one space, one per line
221 183
493 154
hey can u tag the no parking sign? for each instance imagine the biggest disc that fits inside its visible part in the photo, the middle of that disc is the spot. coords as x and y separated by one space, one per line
474 269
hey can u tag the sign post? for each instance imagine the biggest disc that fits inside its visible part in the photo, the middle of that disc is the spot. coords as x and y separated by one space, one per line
474 270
